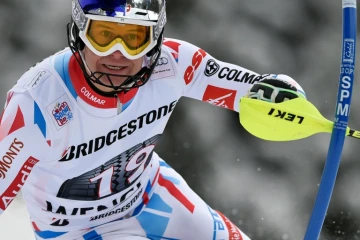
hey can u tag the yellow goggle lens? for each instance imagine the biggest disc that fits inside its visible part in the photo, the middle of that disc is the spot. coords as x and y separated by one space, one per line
104 35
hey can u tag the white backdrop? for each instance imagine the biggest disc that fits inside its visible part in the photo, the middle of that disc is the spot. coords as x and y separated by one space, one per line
15 223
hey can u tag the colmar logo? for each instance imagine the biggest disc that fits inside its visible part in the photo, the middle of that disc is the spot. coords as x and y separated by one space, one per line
91 96
220 97
211 68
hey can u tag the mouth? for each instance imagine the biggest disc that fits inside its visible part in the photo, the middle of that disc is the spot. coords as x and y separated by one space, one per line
115 69
122 71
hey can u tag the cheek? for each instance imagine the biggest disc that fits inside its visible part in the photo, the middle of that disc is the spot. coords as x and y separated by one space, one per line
90 59
138 64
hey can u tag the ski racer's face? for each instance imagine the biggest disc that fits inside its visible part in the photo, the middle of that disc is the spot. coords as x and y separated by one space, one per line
115 63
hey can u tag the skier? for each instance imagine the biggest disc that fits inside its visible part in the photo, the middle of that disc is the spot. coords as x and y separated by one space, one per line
79 129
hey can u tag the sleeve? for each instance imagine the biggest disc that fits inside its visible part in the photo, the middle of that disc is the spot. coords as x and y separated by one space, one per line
22 145
207 79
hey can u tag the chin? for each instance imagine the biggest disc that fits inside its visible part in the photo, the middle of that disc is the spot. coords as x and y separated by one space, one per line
116 81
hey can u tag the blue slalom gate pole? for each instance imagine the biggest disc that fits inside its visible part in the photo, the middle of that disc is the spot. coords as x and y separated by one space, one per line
347 68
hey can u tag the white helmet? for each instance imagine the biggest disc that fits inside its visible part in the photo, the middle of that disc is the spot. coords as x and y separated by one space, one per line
133 27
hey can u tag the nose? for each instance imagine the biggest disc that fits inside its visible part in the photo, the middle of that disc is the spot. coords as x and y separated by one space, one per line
117 54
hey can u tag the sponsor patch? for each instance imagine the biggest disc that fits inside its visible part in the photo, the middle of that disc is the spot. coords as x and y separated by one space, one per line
233 231
60 111
349 3
10 155
162 61
11 192
164 68
211 68
40 77
220 97
349 50
196 60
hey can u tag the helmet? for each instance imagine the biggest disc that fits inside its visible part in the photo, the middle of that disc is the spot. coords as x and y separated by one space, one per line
136 30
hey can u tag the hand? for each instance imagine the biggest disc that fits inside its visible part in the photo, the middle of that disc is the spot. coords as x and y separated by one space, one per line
276 88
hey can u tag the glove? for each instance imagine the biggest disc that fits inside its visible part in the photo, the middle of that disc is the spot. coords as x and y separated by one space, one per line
276 88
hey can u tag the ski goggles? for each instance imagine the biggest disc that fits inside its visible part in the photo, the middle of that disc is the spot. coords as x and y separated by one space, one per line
105 37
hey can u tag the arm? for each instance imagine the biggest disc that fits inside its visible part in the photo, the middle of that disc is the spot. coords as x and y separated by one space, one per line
22 145
216 82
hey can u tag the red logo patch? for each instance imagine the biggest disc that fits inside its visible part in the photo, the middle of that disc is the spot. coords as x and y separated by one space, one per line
62 113
11 192
10 155
221 97
174 47
195 63
234 232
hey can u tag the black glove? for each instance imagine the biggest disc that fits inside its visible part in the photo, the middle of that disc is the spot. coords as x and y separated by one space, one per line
276 88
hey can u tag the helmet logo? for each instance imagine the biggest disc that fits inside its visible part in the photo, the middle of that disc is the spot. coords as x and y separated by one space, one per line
75 12
78 15
128 7
161 23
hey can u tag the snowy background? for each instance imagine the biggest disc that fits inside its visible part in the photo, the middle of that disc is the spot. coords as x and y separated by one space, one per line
267 189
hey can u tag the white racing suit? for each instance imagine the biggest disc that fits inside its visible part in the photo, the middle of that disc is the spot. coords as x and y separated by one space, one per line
85 163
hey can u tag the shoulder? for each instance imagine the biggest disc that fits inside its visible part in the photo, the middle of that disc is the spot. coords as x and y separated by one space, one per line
189 57
22 123
186 55
174 55
177 44
14 100
179 47
168 64
33 77
19 110
39 73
